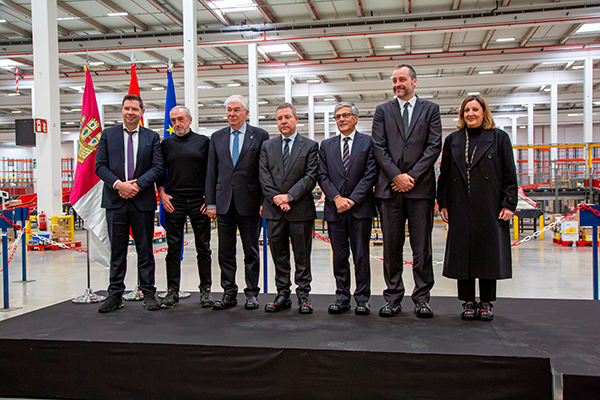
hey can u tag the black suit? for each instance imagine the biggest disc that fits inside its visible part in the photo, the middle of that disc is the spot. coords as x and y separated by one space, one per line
350 229
235 191
298 180
136 213
413 152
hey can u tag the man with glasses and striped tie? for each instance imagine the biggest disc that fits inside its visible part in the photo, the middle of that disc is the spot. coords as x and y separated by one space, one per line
288 174
347 175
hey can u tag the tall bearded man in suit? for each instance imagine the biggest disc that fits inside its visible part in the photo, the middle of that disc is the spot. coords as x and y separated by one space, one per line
233 197
347 174
407 136
288 174
129 161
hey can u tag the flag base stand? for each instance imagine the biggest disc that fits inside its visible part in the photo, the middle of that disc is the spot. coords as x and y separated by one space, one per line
182 295
31 280
88 297
10 309
135 295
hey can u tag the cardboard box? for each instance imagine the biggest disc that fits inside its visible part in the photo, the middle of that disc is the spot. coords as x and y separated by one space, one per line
13 203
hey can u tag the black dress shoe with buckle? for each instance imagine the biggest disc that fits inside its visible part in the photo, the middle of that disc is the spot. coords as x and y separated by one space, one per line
485 311
362 308
111 303
422 310
390 309
305 305
339 307
280 303
251 303
469 311
227 301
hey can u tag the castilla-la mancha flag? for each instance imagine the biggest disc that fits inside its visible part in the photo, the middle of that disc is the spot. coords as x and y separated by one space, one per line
87 187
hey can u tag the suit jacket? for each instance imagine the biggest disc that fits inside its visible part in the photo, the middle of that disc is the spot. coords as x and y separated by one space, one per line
110 166
299 180
413 152
357 184
223 179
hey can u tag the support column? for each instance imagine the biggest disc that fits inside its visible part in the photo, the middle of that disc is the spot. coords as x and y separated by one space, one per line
101 114
530 141
588 98
553 120
326 124
253 83
288 86
45 72
190 57
311 117
513 136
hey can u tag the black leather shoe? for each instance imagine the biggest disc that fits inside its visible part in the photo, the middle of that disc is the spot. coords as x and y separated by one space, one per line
469 311
305 305
422 310
339 307
485 311
150 302
362 308
390 309
251 303
111 303
280 303
226 302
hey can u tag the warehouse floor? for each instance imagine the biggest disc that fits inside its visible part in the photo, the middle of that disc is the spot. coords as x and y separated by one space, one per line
541 269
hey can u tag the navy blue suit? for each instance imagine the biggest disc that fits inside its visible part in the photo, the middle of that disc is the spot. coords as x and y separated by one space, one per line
136 213
236 193
350 229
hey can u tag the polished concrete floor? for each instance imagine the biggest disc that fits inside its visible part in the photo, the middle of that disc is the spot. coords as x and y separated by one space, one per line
541 269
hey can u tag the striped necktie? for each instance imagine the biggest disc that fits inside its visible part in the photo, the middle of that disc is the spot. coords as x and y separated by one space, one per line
346 156
286 153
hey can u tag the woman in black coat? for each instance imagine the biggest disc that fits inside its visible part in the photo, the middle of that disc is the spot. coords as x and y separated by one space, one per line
477 197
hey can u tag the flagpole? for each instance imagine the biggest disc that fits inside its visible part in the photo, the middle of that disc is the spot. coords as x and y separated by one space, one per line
88 296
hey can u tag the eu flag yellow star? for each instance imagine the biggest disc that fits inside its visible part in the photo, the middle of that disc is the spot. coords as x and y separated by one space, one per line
171 130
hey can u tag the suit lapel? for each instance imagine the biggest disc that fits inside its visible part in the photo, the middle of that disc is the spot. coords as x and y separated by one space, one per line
140 150
485 141
225 146
278 154
398 117
248 139
415 116
337 153
458 153
356 146
296 148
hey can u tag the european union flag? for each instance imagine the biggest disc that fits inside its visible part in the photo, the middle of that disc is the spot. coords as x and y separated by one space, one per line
171 102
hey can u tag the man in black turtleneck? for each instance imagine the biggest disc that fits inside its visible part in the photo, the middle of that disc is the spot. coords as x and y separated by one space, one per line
181 191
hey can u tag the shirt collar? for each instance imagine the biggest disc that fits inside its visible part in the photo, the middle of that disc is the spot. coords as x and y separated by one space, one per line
351 136
412 102
292 138
127 130
242 130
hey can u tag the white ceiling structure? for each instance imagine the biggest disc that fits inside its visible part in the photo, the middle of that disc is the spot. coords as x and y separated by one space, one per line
510 51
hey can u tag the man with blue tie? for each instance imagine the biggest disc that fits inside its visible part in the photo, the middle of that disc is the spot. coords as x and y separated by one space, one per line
129 161
233 197
347 175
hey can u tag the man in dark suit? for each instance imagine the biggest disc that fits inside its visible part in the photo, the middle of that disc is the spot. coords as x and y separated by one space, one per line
129 161
347 174
181 191
407 136
233 197
288 174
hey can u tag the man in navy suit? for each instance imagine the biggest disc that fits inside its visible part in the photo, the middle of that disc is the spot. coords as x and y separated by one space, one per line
407 136
233 197
129 161
347 175
288 174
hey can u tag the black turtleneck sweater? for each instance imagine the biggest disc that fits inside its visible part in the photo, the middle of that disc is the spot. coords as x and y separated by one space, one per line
474 134
185 159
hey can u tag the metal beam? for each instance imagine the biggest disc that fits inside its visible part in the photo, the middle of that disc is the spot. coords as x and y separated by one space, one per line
129 18
311 10
569 33
447 41
488 37
530 32
168 9
359 8
83 17
16 29
221 17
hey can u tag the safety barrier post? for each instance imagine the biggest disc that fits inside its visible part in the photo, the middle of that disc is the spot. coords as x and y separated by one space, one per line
4 225
590 216
22 216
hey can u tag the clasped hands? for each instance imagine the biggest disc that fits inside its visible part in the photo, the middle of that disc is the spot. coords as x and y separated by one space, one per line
282 201
403 183
343 204
127 189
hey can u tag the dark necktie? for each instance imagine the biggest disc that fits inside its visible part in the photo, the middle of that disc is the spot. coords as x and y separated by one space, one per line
130 159
286 153
235 152
346 156
405 117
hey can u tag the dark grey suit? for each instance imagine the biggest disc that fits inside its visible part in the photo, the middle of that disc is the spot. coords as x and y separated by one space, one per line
298 180
235 191
413 152
351 229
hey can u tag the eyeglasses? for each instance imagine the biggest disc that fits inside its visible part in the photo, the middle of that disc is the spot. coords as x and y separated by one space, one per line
235 110
344 115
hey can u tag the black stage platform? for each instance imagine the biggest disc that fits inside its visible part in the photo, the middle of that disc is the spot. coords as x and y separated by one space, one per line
71 351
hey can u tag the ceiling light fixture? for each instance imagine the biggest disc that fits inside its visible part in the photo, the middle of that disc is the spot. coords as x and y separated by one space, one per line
393 46
508 39
485 72
117 14
234 84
